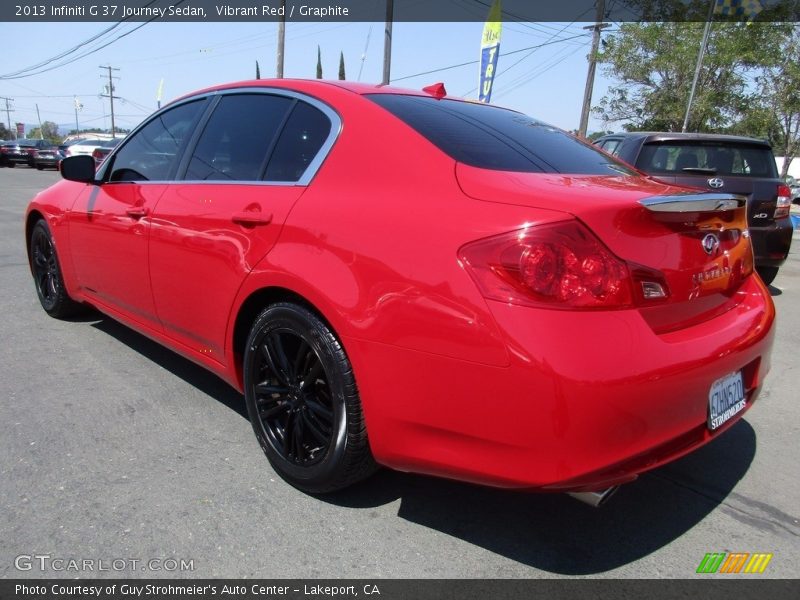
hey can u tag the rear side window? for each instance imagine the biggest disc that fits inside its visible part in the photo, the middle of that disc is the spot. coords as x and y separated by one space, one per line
610 146
151 153
494 138
713 158
300 142
236 141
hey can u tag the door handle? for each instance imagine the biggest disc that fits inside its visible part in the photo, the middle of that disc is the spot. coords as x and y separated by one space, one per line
137 212
252 219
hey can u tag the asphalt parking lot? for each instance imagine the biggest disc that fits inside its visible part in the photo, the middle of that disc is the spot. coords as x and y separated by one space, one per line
113 448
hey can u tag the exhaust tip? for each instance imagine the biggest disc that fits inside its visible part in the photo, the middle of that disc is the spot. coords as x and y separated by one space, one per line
595 499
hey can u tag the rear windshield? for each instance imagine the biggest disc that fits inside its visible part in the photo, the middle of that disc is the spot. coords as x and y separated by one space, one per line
495 138
713 158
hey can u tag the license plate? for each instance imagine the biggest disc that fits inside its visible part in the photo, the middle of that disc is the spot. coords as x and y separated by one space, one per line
725 399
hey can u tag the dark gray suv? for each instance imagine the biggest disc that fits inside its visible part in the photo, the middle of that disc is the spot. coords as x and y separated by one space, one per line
725 163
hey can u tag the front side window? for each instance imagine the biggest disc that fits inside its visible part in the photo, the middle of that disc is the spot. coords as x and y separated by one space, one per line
151 153
238 137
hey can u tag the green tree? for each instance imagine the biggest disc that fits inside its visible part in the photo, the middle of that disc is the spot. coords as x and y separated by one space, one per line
653 65
319 63
342 75
49 132
5 134
776 112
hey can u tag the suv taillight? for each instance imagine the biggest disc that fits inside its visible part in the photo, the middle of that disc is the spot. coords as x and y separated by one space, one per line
558 265
784 203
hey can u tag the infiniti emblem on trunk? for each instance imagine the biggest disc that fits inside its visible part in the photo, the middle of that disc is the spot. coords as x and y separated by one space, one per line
711 244
716 182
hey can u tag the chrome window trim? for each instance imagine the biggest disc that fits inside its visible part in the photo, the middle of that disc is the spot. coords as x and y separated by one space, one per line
308 174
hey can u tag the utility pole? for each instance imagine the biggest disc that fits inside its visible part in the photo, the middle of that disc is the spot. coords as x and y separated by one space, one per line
587 94
8 113
387 43
110 96
38 116
281 39
698 66
77 106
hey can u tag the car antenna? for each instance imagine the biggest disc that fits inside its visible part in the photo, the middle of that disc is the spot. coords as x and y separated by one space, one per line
436 90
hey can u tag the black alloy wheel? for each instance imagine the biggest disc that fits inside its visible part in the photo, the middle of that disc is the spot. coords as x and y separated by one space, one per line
302 401
47 274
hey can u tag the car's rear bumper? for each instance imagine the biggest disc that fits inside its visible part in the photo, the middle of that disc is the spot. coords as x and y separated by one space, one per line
18 158
589 400
771 243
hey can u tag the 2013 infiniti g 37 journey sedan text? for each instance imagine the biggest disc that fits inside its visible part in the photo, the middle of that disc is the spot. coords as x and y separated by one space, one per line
398 278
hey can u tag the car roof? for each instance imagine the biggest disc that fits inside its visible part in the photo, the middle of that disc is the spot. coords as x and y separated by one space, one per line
310 86
665 136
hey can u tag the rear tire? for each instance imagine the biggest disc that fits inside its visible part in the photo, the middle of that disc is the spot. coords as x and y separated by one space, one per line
303 402
767 274
47 274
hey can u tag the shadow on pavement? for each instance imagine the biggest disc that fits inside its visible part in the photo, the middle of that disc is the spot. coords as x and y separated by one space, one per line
551 532
773 291
193 374
555 533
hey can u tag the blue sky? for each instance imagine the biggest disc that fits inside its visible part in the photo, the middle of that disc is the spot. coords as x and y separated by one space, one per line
547 83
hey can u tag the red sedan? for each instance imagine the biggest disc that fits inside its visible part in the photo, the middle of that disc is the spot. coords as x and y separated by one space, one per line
398 278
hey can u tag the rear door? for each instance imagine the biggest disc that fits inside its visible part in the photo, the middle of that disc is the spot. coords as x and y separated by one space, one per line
251 162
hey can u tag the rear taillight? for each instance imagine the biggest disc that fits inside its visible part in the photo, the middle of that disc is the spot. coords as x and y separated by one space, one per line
784 202
558 265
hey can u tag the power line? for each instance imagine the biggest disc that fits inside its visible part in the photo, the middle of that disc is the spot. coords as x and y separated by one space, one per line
531 52
472 62
23 73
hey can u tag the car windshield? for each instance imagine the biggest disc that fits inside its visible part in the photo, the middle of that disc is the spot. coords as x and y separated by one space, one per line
495 138
707 157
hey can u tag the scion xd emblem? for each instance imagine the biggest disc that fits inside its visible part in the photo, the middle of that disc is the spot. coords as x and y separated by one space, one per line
716 182
711 244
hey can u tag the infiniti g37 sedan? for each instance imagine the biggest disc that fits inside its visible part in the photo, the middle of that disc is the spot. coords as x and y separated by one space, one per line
398 278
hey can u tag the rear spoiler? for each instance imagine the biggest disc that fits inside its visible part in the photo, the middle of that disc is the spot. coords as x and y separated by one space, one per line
692 202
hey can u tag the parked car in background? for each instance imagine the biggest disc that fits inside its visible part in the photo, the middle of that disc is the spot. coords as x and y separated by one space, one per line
393 277
104 149
723 163
86 146
21 151
794 188
66 144
48 158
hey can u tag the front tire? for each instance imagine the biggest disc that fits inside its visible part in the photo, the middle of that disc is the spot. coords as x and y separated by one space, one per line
303 402
47 274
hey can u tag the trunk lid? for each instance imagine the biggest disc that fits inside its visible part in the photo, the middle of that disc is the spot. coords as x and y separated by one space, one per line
696 244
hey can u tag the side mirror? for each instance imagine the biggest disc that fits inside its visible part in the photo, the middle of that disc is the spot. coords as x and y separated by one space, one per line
78 168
